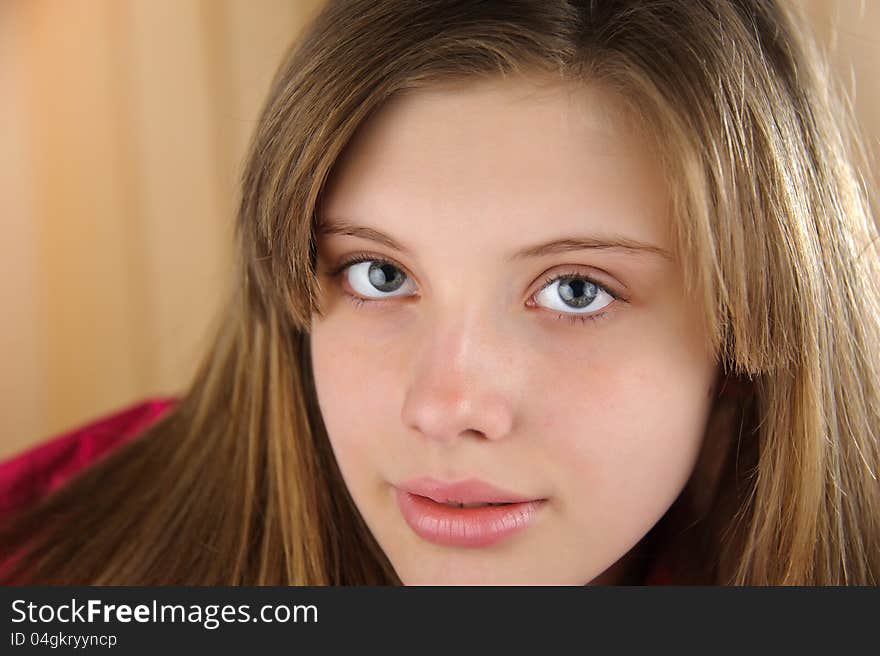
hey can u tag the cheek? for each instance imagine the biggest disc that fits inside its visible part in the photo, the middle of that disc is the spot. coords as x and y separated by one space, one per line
353 381
625 424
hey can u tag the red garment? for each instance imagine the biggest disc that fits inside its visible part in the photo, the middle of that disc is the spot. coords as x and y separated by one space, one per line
36 472
27 477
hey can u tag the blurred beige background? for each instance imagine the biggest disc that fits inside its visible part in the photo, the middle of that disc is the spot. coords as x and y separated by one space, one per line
123 124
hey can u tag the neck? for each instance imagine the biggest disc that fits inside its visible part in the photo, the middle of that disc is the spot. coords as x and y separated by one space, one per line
630 569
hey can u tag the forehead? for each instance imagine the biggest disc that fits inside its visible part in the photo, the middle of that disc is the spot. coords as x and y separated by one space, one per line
526 156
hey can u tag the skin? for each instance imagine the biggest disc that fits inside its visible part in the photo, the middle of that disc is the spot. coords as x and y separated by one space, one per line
461 373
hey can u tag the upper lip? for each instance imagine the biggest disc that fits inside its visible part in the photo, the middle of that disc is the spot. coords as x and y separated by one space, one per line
471 490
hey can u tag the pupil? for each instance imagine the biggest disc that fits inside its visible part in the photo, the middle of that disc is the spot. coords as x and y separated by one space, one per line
385 277
577 293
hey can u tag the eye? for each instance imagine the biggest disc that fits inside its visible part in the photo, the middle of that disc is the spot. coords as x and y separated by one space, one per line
574 294
367 275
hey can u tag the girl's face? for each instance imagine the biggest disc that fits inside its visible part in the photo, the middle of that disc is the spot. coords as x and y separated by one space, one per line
517 319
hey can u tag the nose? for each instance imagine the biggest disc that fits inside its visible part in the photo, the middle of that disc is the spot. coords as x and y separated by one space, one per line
462 386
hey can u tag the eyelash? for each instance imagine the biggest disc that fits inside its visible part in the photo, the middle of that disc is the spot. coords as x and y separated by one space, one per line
357 301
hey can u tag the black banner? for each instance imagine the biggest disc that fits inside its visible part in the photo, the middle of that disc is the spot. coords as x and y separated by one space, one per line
145 620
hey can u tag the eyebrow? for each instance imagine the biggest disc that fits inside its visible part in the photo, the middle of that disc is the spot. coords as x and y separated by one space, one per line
563 245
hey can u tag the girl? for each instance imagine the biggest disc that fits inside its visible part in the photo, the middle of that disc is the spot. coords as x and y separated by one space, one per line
608 265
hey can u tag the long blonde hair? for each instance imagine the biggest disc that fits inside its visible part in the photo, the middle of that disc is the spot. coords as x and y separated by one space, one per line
773 226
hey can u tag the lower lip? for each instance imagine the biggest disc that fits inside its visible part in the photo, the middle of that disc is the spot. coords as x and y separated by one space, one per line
465 527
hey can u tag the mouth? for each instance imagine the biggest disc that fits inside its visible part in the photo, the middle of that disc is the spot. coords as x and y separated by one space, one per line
468 492
469 514
454 504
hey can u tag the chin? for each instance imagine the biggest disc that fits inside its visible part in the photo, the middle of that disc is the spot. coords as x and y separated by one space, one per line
453 574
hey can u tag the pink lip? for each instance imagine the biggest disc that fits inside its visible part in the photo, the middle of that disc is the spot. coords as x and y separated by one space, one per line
421 504
470 491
